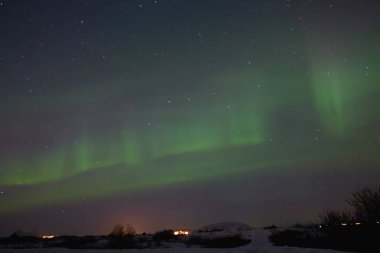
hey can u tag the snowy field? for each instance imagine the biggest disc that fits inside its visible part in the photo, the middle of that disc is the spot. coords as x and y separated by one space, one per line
259 244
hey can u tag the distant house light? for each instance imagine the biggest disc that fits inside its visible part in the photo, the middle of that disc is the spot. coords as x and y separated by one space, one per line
181 232
344 224
48 236
358 223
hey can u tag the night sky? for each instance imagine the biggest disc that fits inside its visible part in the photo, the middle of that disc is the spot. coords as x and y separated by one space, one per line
180 113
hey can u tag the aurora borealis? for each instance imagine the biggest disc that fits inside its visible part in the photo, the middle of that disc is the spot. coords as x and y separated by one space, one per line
180 113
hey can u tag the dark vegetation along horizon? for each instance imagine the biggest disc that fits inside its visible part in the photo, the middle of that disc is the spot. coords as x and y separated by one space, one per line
355 229
123 237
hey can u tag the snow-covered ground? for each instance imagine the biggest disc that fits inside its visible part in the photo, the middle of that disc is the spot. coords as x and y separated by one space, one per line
259 244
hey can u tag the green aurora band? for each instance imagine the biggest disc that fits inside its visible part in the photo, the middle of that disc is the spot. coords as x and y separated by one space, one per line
280 108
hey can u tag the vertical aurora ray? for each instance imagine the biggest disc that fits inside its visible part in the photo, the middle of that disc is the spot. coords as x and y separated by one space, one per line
340 95
132 152
343 83
330 102
82 151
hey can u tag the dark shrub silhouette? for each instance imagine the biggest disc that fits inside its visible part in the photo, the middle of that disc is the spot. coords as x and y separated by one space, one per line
332 218
164 235
366 205
352 231
122 237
